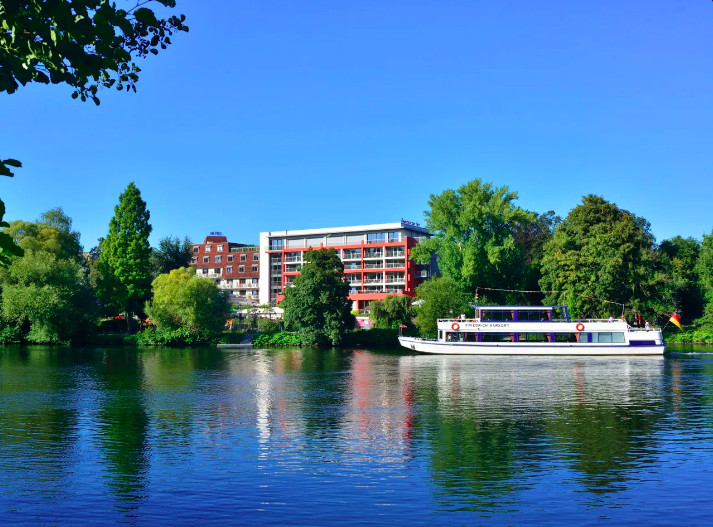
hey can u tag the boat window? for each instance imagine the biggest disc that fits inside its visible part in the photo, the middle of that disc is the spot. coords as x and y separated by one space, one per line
497 337
534 315
607 337
497 315
534 337
602 337
565 337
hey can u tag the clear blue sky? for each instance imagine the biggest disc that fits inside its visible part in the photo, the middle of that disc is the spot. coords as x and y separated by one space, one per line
274 115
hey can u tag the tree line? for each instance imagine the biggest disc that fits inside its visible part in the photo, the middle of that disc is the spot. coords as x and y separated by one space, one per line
600 260
56 293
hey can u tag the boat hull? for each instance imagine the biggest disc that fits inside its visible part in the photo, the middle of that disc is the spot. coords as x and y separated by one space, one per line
522 348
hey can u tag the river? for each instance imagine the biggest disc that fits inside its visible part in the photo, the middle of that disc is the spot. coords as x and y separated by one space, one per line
357 437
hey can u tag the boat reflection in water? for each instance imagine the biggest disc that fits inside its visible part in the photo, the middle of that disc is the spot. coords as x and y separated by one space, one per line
494 425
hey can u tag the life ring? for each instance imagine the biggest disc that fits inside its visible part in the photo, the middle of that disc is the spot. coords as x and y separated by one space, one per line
580 327
455 326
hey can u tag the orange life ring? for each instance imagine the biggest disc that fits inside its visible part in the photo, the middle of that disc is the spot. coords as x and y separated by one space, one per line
455 326
580 327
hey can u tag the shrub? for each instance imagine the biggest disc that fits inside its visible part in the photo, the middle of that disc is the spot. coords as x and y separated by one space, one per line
282 338
178 337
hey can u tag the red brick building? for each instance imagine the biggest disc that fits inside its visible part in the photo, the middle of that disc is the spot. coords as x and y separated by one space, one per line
234 266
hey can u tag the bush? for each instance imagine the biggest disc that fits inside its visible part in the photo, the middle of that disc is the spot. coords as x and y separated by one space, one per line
179 337
10 334
690 335
281 338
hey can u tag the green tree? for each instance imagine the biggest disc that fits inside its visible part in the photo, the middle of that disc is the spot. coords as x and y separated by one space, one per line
679 257
47 299
704 268
318 304
171 253
440 297
86 44
183 300
8 247
474 236
601 252
392 311
124 281
52 233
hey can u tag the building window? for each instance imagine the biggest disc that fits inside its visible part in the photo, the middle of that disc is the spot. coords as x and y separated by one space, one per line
253 269
207 248
219 248
230 257
229 269
194 260
217 270
205 271
243 257
394 236
275 245
218 259
375 237
256 256
196 249
206 259
241 269
254 292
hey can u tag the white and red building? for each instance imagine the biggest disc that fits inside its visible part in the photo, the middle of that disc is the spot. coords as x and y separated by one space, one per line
234 266
376 259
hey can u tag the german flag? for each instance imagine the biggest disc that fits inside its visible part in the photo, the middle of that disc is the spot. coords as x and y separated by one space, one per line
675 320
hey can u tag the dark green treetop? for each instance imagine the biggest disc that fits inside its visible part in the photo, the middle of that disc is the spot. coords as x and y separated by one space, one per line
600 252
704 267
124 263
317 304
473 236
171 253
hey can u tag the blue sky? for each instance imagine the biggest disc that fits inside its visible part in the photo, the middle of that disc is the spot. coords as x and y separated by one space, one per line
293 115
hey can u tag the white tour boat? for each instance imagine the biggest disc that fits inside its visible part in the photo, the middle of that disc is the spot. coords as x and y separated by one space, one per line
537 330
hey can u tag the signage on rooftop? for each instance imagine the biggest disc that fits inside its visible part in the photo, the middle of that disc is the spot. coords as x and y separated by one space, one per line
216 233
412 223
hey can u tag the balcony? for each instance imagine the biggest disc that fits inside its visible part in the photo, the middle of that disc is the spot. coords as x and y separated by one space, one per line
395 254
395 265
293 259
370 254
378 265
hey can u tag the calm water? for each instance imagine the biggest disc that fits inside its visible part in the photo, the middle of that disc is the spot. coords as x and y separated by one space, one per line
186 437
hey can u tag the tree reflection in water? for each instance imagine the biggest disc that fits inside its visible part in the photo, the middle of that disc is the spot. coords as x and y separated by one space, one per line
493 421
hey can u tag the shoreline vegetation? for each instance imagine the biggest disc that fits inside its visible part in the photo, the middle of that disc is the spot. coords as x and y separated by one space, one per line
600 260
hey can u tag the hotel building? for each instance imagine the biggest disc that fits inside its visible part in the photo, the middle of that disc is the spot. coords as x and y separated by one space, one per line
376 259
234 266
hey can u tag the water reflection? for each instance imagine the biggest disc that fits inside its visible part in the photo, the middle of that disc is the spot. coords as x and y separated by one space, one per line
493 421
120 433
123 423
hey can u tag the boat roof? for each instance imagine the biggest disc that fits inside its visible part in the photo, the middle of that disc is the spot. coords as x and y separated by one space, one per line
532 308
